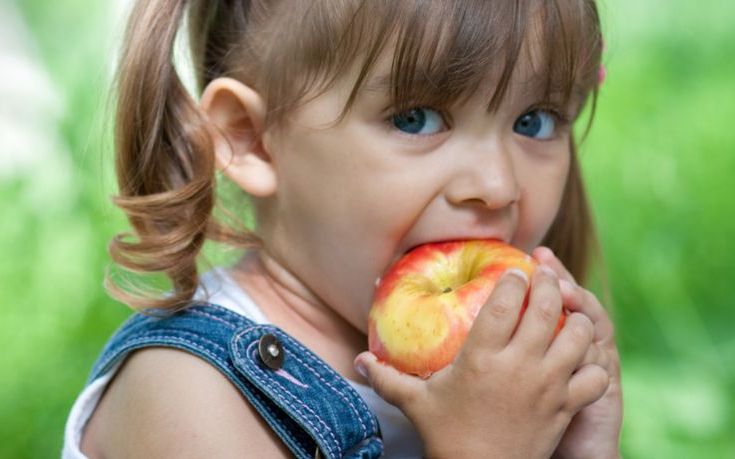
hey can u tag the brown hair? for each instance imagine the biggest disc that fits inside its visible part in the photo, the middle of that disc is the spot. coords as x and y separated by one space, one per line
290 50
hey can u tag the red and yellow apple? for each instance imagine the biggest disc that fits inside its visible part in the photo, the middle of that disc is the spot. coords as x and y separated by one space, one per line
425 304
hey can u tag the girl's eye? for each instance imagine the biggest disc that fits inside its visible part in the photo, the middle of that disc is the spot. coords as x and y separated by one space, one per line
421 121
537 124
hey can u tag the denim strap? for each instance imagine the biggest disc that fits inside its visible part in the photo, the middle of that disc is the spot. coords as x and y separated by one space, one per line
305 401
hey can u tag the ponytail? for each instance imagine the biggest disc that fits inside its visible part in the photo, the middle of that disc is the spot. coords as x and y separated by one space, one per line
164 163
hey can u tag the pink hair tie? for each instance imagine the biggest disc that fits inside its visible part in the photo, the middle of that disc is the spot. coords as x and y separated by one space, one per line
601 75
602 71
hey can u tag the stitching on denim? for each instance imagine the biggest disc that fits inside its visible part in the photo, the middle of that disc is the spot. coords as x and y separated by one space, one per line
264 403
328 370
103 361
342 395
213 317
158 334
175 339
333 373
264 380
291 404
167 334
236 319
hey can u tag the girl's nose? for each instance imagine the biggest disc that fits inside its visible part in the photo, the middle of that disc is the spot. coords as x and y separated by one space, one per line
487 178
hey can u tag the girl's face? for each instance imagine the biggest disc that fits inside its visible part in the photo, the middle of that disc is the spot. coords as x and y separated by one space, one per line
352 197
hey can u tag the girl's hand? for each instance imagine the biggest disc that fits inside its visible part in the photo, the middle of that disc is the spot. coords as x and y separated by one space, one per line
511 392
595 431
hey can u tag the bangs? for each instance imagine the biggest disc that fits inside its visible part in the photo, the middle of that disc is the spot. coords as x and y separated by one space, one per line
444 51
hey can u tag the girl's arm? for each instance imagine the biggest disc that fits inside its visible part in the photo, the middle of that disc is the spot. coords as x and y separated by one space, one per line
168 403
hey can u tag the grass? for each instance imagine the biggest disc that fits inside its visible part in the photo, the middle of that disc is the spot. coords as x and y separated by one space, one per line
658 164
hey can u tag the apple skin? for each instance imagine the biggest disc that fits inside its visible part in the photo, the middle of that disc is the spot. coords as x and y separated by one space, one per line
425 304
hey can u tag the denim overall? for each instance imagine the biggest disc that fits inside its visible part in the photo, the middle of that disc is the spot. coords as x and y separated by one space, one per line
314 411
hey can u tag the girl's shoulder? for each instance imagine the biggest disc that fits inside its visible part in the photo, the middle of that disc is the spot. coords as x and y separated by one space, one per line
214 381
167 402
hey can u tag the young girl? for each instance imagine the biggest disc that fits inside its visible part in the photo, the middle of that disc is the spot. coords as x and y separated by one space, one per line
357 129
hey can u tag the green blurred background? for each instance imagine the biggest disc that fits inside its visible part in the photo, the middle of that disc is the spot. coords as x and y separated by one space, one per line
659 164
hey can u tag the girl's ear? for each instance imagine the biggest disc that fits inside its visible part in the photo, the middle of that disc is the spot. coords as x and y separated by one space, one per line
237 115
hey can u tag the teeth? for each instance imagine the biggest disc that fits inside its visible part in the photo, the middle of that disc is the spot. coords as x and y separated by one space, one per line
377 281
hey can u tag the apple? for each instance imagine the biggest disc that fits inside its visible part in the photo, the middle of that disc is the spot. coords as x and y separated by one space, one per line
426 302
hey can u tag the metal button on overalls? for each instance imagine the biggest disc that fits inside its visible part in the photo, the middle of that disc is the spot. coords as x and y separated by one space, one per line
271 351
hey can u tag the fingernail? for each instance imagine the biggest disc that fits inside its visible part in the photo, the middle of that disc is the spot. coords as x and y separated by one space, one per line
517 272
361 369
566 286
548 271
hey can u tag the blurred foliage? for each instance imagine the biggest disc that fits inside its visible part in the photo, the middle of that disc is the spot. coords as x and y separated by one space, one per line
658 164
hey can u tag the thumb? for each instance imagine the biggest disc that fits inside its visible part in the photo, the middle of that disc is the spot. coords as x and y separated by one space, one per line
396 388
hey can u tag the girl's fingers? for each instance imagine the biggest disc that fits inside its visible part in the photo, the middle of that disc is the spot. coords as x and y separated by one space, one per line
538 323
497 319
546 256
577 299
571 349
390 384
586 386
596 355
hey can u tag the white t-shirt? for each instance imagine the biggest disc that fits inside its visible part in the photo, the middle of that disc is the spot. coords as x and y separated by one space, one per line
400 439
